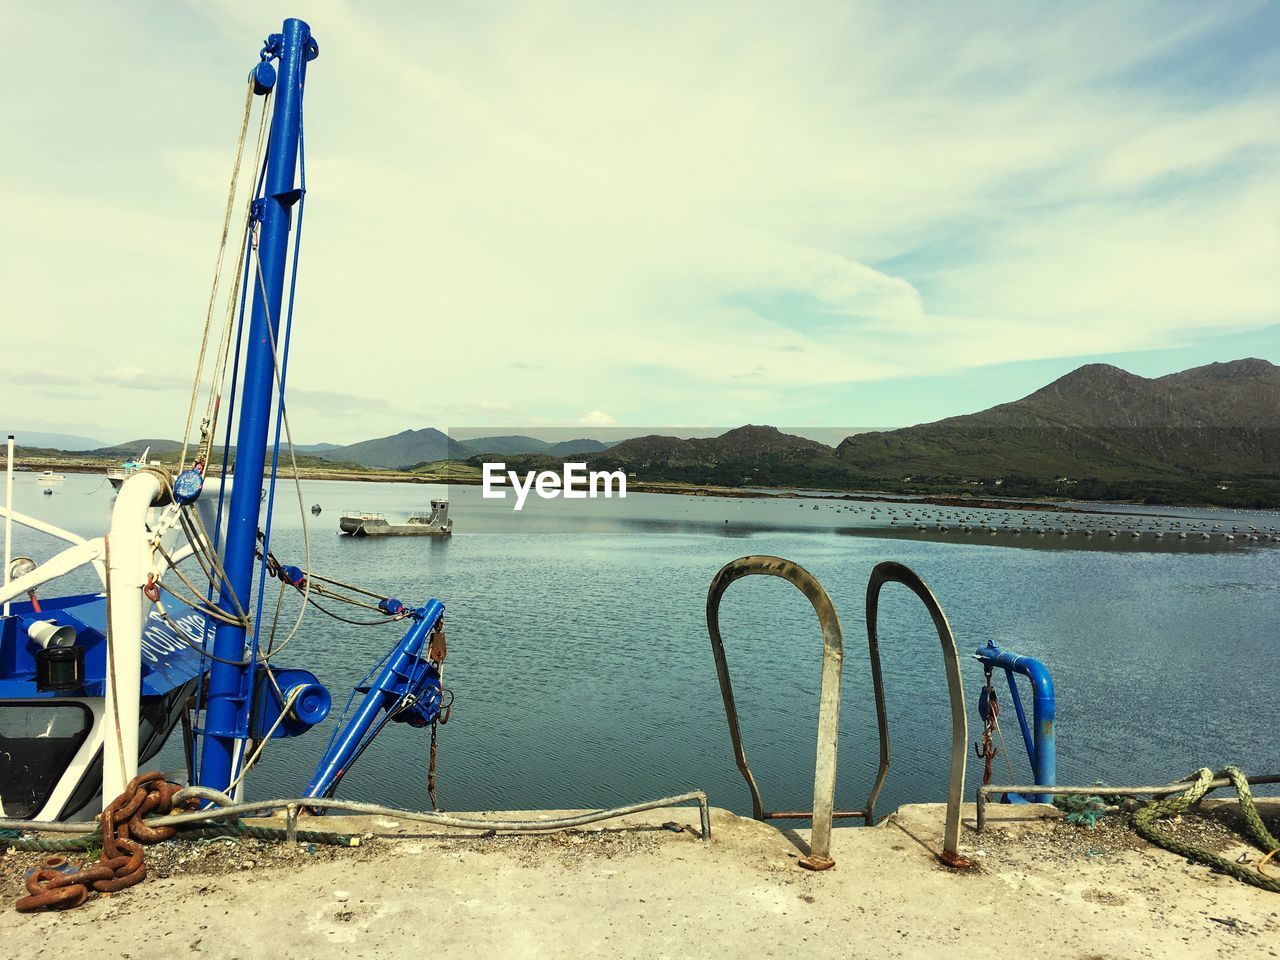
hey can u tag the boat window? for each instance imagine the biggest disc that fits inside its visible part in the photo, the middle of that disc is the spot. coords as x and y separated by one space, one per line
37 742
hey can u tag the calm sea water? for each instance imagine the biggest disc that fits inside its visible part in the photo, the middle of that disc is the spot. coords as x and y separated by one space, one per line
583 676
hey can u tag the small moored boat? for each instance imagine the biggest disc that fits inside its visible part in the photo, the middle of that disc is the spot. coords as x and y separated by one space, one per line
434 524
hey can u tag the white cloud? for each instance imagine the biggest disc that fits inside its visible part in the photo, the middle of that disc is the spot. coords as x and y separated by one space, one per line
597 418
682 209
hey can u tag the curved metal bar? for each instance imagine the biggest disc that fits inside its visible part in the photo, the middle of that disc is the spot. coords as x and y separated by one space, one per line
892 572
824 779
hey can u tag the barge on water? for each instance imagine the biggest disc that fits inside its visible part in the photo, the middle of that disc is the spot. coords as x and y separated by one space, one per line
433 524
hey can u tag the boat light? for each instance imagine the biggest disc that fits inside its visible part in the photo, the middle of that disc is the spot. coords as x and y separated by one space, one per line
59 662
20 567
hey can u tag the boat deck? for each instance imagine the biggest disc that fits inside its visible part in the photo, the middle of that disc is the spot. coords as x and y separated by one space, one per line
635 889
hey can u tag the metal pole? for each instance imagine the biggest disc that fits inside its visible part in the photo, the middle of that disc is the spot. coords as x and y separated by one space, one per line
227 712
129 556
891 572
8 517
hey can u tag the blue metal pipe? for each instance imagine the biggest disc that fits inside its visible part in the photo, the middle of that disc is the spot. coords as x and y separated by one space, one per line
1042 744
227 710
406 673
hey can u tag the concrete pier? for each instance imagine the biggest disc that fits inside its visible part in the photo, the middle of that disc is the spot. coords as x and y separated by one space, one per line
641 889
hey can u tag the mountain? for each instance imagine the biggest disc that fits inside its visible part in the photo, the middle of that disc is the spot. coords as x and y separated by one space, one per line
133 448
53 441
507 446
403 449
416 447
1205 435
749 455
516 445
1097 422
567 448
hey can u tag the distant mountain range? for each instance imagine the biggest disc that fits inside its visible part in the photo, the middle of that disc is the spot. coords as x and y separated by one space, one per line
401 451
745 456
53 441
410 448
1208 434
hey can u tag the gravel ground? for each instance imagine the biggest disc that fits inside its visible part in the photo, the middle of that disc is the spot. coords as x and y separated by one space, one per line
1217 827
1045 890
227 855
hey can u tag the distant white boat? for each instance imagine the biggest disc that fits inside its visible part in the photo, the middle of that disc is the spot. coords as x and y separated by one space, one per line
118 475
49 477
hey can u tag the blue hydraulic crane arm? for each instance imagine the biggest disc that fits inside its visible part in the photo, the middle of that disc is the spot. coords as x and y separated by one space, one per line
406 689
1041 738
227 711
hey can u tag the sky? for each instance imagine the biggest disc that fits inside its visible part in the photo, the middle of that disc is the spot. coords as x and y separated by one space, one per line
556 214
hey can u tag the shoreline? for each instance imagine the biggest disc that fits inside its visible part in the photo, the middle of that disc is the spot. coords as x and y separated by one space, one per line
374 475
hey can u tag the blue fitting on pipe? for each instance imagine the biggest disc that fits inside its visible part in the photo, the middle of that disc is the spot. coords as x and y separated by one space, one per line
263 76
187 487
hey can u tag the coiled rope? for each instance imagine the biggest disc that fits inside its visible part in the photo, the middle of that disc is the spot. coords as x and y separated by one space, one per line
1144 821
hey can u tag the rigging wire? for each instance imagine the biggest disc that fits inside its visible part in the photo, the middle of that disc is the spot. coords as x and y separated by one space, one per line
217 270
281 373
234 320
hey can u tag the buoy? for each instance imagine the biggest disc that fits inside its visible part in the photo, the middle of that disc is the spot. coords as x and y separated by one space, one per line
315 509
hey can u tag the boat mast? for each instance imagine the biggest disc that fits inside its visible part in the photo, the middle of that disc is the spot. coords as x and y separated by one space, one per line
227 709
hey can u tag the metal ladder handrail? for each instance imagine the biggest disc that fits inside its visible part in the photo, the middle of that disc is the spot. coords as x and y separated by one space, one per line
823 811
824 777
892 572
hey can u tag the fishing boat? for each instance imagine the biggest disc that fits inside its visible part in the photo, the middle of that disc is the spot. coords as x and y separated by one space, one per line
436 523
92 684
118 475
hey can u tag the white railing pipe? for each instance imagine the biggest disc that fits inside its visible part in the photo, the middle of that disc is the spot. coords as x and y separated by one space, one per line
128 563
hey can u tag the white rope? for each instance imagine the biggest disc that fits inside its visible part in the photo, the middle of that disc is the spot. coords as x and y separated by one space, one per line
218 376
217 272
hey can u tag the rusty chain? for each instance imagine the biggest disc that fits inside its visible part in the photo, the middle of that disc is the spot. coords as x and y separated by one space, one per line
121 864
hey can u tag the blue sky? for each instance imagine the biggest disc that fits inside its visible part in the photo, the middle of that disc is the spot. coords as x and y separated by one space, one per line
572 214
